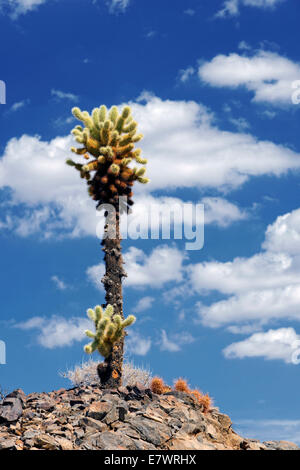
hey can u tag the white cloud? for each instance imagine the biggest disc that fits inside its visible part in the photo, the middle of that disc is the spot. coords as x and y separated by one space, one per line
284 234
174 343
278 344
164 264
232 7
56 332
61 95
137 344
262 288
59 283
51 194
95 274
267 75
145 303
221 212
20 7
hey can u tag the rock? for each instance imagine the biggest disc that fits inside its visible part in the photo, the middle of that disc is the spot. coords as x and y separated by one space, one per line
115 441
99 410
11 410
189 444
17 394
6 444
151 431
65 444
131 418
46 442
92 423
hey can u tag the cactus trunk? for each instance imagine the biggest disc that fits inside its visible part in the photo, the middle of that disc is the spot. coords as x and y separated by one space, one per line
110 371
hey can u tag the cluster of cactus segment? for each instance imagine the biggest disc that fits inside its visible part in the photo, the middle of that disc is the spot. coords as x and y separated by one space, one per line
108 140
180 385
109 328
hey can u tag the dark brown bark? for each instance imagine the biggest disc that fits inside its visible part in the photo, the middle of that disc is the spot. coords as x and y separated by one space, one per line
110 371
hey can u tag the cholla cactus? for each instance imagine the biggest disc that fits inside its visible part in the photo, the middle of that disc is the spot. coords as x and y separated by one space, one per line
109 329
108 139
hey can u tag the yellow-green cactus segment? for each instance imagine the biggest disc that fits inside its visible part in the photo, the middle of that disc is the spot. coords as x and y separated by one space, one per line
109 328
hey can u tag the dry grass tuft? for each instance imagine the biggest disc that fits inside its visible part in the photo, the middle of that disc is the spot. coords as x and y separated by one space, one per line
86 374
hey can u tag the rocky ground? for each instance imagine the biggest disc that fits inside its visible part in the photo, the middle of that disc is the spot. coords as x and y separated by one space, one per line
131 418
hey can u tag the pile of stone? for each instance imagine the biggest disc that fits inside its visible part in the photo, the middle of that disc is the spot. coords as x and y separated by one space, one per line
130 418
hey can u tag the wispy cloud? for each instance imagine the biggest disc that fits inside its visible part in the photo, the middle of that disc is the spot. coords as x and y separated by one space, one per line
174 342
116 6
144 304
18 105
231 8
60 95
15 8
137 344
185 74
269 429
59 283
189 12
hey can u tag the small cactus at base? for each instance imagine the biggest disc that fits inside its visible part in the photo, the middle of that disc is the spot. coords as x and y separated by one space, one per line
109 329
157 385
206 402
181 386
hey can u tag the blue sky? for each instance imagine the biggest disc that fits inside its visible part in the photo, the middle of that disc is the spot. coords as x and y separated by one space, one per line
210 83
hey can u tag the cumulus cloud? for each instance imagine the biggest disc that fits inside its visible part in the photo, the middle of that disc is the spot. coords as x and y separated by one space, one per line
259 289
164 264
221 212
232 7
56 331
278 344
267 75
34 177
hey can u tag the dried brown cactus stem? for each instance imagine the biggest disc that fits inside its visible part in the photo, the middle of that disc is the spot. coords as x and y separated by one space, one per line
110 372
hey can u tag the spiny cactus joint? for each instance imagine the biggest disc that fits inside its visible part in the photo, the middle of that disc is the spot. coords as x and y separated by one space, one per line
109 329
108 137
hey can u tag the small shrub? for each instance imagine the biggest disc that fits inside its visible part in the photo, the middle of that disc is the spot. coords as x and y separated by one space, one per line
157 385
206 402
181 386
